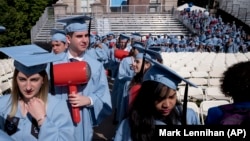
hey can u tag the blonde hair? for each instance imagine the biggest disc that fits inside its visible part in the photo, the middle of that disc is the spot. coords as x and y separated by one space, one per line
16 94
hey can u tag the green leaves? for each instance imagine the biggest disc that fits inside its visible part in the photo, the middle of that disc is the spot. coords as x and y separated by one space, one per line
18 17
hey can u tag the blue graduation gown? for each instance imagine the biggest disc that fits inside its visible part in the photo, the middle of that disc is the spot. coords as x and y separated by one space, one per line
124 103
113 64
232 48
123 132
97 89
101 54
4 136
57 126
98 53
107 54
125 73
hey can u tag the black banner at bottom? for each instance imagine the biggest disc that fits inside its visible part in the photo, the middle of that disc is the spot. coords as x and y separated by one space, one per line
239 133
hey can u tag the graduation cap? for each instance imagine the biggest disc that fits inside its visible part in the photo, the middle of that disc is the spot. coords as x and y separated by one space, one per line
103 37
141 55
111 34
162 74
30 59
58 35
141 51
75 23
97 37
153 54
155 48
124 37
139 46
136 36
2 28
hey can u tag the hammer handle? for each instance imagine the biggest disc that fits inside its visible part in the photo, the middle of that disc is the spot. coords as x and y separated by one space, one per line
74 110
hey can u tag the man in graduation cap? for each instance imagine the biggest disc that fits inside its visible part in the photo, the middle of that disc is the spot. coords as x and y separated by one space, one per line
156 104
58 41
94 98
30 112
123 44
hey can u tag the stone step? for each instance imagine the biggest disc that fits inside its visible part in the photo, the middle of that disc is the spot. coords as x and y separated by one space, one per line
143 23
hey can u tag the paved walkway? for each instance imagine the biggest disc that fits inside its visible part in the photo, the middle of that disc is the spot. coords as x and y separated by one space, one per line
106 131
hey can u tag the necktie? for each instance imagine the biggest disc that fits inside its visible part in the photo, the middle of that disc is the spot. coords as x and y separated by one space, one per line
73 60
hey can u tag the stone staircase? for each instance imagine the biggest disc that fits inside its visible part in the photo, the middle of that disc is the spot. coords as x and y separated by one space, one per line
156 24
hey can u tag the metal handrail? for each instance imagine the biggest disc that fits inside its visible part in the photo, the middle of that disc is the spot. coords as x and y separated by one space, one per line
230 5
39 24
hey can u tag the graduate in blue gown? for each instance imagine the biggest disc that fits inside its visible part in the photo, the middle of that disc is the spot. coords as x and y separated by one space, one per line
122 44
30 112
96 50
125 97
93 98
131 86
125 73
155 104
58 41
107 52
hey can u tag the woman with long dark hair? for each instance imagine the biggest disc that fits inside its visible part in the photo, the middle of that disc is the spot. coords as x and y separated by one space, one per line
155 104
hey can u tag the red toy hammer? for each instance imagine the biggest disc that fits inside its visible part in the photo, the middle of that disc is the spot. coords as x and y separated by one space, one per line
72 74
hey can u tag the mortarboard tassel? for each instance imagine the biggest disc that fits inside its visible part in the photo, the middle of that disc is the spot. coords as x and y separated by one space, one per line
141 73
89 30
52 86
184 116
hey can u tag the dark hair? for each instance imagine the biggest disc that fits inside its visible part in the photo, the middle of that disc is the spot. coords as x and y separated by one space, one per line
143 113
70 34
138 77
236 82
132 52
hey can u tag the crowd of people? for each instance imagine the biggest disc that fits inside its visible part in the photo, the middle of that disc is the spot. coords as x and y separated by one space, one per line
144 93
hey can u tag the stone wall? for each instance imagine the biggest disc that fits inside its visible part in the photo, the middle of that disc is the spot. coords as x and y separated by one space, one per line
169 5
138 9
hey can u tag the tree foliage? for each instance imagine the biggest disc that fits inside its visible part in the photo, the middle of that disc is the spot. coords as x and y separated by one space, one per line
18 17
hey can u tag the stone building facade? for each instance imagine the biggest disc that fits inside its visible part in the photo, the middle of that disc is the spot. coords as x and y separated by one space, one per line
140 6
